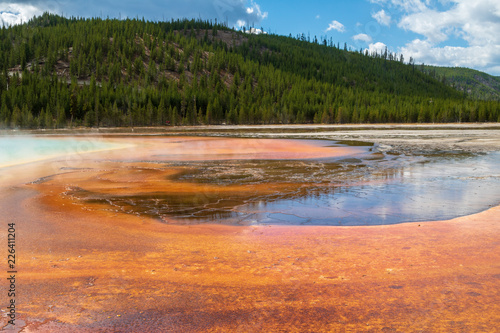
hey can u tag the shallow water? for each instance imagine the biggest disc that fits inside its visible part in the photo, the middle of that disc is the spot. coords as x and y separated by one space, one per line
22 149
438 189
368 188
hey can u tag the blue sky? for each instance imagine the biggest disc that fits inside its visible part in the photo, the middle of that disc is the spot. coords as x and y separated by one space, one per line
464 33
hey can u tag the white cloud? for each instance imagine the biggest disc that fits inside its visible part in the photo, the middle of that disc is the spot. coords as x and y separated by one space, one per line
317 17
429 23
255 9
477 22
472 26
485 58
12 13
240 23
382 18
255 31
363 38
336 25
406 5
377 47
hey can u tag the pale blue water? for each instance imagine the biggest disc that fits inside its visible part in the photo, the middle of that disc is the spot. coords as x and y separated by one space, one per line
20 149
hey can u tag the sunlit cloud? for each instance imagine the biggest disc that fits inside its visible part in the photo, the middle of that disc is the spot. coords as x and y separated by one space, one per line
363 37
335 25
382 18
378 48
405 5
13 13
455 33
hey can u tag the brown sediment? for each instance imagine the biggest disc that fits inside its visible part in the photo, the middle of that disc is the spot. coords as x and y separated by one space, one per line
85 269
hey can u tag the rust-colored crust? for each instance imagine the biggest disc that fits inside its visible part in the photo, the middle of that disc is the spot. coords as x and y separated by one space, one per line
91 270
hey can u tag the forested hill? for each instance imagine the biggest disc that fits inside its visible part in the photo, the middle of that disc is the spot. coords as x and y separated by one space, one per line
58 72
474 83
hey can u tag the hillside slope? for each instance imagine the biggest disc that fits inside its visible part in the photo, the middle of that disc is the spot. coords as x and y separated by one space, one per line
59 72
475 84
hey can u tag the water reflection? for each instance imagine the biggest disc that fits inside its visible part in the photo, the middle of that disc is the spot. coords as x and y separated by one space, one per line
356 191
442 189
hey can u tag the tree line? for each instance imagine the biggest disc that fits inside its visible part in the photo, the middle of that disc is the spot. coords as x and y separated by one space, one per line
63 72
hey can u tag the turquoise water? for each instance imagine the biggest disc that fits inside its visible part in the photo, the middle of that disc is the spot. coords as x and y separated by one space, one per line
23 149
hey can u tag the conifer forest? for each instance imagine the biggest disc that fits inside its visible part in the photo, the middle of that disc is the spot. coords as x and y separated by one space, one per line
58 72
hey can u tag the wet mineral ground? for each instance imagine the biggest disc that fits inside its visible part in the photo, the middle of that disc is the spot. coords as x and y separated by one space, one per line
160 233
